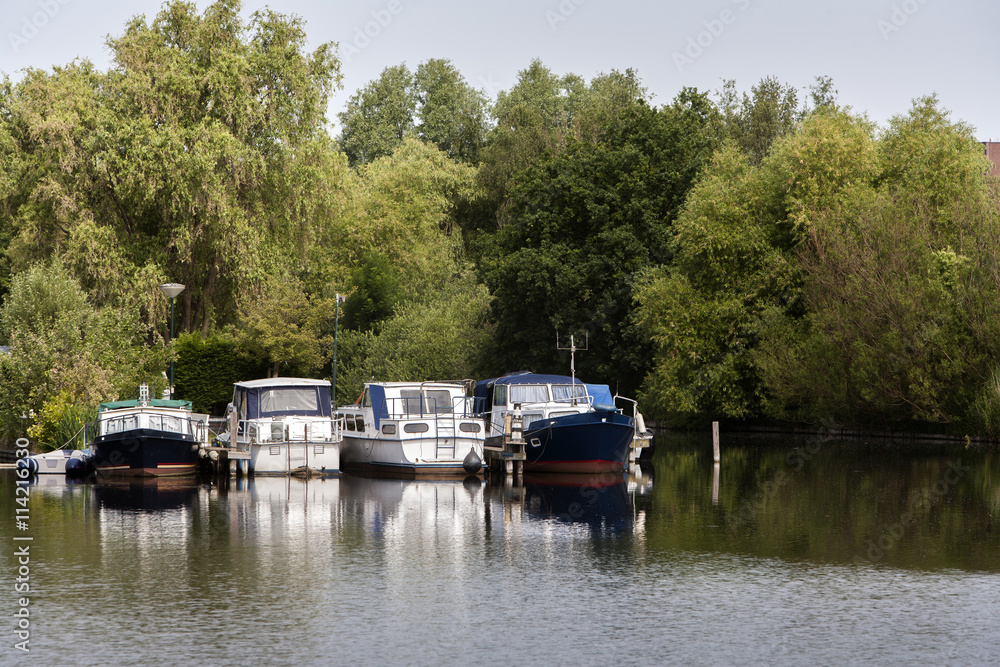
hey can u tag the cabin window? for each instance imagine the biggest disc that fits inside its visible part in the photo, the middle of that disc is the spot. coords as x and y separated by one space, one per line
288 399
388 429
277 431
529 393
528 418
416 428
366 399
411 401
438 401
500 395
470 428
567 392
553 415
360 422
349 422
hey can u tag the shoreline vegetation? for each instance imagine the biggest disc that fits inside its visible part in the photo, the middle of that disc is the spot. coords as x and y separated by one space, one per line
748 256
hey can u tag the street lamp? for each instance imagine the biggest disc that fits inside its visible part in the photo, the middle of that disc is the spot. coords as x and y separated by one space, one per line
336 327
171 291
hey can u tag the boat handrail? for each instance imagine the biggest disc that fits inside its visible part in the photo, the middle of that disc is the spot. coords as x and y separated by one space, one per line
296 429
197 425
398 407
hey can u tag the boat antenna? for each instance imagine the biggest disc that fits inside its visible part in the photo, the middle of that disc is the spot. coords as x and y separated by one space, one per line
572 351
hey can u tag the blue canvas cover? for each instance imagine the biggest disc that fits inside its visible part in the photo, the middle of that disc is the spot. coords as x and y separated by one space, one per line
601 393
380 410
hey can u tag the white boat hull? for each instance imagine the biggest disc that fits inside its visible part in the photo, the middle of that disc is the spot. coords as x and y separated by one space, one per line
287 457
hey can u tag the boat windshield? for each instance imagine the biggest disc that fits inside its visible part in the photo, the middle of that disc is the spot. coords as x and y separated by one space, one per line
429 401
565 393
529 393
289 398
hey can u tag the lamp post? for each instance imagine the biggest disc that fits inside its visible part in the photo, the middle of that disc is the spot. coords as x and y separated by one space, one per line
336 327
171 290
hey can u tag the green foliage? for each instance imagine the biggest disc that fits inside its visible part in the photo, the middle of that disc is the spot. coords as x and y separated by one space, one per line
207 368
376 293
539 116
584 223
757 120
193 157
440 338
450 114
844 278
379 116
435 104
66 352
283 328
60 424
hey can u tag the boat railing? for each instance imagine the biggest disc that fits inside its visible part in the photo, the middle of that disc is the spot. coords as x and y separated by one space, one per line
426 407
195 426
278 431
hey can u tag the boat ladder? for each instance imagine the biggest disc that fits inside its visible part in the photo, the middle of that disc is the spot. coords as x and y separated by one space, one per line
446 428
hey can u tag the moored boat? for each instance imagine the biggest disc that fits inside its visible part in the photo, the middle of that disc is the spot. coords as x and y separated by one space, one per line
566 425
72 462
413 429
286 424
148 437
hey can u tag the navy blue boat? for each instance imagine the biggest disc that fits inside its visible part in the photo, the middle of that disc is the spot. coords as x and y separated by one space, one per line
568 426
148 437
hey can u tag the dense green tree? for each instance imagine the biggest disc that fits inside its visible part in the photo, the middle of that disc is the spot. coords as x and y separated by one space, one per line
442 337
897 278
841 278
66 353
450 113
434 104
206 368
537 117
194 157
379 116
583 224
754 121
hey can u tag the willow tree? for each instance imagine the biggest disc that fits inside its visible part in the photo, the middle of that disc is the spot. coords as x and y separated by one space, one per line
193 158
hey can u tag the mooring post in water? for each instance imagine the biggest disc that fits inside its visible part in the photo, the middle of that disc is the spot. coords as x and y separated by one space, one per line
715 484
715 441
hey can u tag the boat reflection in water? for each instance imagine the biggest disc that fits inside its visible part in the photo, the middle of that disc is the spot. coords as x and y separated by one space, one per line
146 493
603 504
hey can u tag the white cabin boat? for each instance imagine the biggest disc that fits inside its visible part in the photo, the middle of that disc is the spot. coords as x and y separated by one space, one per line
286 424
412 429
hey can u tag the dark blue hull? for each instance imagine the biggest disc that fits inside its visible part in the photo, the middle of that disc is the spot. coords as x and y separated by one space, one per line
592 442
145 453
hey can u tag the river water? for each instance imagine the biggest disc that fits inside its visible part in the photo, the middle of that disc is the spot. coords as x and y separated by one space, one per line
789 552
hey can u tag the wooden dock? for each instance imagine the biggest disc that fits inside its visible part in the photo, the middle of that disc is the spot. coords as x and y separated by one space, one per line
504 454
226 460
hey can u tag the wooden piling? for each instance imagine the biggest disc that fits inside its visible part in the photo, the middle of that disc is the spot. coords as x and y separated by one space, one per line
715 441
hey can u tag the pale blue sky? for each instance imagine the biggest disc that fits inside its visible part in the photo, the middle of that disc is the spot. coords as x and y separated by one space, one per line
881 54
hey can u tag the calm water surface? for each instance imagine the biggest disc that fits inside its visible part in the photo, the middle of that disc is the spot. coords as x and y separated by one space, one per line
790 552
